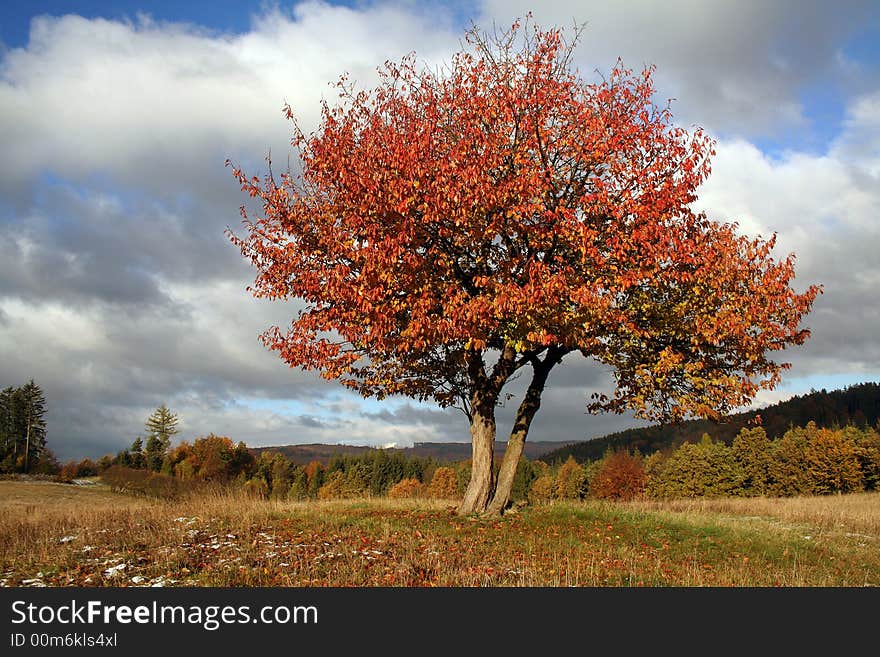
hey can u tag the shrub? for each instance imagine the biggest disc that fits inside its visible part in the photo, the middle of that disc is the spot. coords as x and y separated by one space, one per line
69 472
444 484
257 487
542 489
406 488
144 482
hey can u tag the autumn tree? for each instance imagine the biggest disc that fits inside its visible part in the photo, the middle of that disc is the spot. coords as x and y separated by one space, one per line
620 476
571 480
789 473
832 458
455 227
406 488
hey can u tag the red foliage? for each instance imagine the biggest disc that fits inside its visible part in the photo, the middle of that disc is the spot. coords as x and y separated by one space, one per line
619 477
505 203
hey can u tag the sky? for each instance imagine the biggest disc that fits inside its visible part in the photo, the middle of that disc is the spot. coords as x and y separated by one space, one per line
119 291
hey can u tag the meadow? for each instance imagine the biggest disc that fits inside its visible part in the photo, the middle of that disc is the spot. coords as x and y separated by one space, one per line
54 534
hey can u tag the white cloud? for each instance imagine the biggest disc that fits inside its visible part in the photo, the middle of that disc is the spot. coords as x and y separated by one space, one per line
154 102
825 209
737 67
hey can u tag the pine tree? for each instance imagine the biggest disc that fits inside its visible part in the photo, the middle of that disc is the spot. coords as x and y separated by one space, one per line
136 454
29 427
154 453
752 453
7 430
162 424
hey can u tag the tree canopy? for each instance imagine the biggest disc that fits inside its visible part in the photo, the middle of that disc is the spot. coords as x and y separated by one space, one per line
452 226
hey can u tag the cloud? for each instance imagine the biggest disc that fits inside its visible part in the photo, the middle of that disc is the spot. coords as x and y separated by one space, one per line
824 209
118 288
739 68
119 291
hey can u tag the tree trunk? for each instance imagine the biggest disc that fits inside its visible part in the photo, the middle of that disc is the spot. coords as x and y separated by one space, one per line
479 490
512 454
27 447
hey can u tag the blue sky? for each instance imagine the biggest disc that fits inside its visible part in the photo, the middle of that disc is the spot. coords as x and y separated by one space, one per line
119 291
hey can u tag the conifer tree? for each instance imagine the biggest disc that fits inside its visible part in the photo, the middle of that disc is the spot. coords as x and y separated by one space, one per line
162 424
26 427
7 432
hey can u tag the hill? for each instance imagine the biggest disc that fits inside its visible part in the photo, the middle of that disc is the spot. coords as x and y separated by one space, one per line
442 452
858 405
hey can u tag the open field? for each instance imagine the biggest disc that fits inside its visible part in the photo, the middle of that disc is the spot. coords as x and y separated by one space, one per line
63 535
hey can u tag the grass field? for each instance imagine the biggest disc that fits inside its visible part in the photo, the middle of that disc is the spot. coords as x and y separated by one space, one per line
64 535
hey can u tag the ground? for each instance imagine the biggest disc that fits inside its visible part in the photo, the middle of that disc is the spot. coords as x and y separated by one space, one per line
66 535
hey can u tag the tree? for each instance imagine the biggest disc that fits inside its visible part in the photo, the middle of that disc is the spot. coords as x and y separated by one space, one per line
620 476
161 426
789 474
406 488
22 426
453 228
7 429
752 452
571 480
704 469
154 452
832 458
136 458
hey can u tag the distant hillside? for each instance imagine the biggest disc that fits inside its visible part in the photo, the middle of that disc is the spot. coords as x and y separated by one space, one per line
443 452
859 405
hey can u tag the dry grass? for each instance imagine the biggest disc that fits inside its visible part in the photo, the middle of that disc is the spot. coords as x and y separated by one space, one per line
854 514
62 535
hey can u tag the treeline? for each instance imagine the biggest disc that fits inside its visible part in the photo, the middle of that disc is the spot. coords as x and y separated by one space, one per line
803 461
217 460
23 431
807 460
857 405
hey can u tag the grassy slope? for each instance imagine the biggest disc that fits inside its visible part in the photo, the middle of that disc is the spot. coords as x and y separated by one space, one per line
232 540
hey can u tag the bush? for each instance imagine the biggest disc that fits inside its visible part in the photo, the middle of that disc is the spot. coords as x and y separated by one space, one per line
144 482
257 487
69 472
542 489
406 488
444 484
